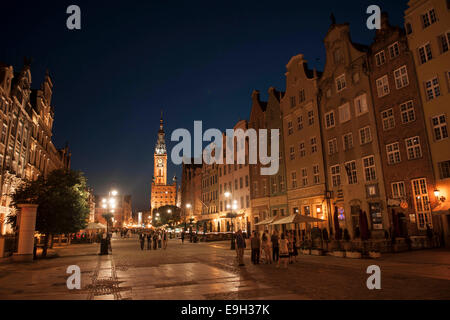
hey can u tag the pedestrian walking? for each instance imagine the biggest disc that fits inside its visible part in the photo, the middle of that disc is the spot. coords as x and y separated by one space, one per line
275 247
142 240
284 251
182 237
255 243
240 247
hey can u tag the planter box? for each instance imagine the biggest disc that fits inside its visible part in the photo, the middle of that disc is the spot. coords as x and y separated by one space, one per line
317 252
306 252
374 254
339 254
353 255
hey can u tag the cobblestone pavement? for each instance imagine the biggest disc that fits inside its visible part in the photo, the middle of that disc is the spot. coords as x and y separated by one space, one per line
209 271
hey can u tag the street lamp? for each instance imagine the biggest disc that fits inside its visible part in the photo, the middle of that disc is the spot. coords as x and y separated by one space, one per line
232 207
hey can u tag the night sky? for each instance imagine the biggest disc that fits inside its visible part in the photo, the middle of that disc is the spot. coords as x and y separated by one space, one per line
196 60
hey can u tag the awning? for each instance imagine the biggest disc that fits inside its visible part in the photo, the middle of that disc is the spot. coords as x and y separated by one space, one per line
297 218
95 226
265 222
443 208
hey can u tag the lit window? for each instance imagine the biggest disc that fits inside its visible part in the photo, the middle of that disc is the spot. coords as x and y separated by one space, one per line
422 203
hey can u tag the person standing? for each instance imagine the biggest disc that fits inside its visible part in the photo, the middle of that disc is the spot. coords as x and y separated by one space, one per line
159 240
240 247
275 247
182 237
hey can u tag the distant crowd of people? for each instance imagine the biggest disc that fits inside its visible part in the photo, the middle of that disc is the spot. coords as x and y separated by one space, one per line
156 239
279 249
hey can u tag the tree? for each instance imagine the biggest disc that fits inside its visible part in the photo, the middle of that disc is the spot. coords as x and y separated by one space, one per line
167 215
62 199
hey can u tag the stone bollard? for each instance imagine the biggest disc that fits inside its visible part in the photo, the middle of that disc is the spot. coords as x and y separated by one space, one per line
26 233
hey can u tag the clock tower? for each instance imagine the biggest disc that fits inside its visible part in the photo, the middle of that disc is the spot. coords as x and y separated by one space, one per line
160 158
162 193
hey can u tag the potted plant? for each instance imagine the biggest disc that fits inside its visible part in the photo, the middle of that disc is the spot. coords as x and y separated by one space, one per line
337 247
353 253
306 248
347 243
374 252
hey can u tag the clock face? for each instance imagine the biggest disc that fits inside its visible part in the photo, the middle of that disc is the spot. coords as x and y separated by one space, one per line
159 161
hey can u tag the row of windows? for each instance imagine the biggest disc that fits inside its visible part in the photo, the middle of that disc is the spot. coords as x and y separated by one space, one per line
238 184
413 150
299 124
277 185
302 148
401 81
345 115
393 50
350 169
304 177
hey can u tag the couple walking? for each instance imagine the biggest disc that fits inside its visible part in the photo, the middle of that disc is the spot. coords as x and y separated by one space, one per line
280 249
